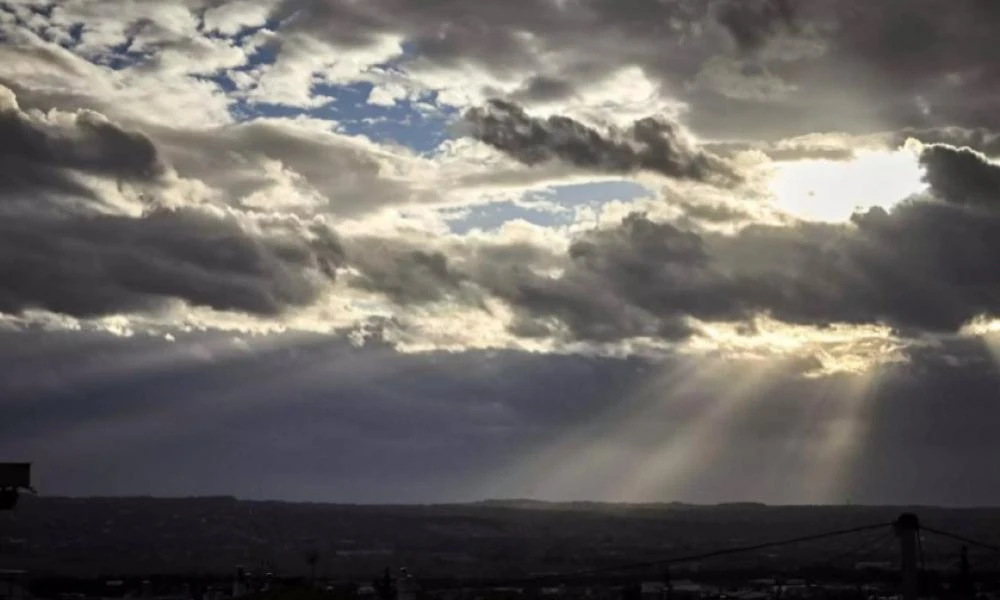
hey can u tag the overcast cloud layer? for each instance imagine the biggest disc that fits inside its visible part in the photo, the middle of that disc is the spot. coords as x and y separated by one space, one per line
392 185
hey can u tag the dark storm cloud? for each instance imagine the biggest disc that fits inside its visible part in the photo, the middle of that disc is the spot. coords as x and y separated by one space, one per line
315 419
876 66
609 289
42 152
961 175
925 415
408 274
90 262
107 264
402 272
85 141
356 420
650 144
540 88
752 23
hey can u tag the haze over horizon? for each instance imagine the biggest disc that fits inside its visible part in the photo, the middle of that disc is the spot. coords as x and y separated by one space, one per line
410 251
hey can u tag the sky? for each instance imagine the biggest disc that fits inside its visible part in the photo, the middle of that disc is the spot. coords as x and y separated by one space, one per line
433 251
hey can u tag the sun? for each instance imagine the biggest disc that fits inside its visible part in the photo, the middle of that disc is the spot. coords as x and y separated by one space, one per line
832 190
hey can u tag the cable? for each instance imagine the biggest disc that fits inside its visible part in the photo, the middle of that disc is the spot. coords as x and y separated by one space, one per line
874 541
697 557
961 538
867 546
723 552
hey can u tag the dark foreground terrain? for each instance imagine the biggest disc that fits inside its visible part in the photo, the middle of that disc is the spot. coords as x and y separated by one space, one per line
103 536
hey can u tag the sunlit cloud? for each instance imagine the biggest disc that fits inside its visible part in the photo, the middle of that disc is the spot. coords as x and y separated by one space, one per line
832 190
987 331
832 349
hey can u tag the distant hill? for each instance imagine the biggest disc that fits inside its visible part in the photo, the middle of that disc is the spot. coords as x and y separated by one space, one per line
86 536
580 505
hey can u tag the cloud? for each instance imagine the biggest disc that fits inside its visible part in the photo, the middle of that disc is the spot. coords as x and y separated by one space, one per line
67 248
505 423
541 88
282 161
961 175
771 67
217 165
232 17
651 144
981 139
753 24
598 296
110 264
915 268
51 153
406 275
814 146
123 170
923 266
73 59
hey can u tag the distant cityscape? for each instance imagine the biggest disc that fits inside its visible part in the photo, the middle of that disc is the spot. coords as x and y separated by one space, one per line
219 548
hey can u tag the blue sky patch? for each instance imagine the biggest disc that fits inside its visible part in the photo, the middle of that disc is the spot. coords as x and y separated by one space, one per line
420 125
552 207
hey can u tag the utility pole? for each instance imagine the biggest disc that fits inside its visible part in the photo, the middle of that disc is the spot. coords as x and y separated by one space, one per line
312 557
907 528
964 585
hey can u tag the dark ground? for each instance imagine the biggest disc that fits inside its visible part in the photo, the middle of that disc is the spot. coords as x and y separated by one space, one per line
103 536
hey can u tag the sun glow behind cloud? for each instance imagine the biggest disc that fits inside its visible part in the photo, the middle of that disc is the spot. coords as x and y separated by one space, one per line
832 190
833 349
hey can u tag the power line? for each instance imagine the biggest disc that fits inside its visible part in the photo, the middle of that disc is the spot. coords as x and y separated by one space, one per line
869 544
735 550
694 557
961 538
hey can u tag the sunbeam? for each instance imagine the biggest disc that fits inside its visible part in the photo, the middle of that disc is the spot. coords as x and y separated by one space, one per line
582 462
841 431
677 459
